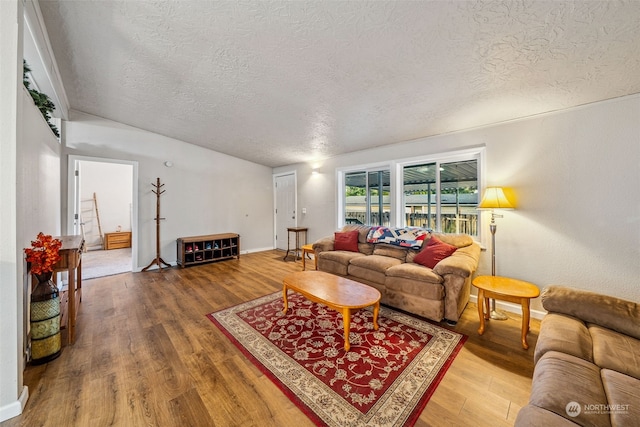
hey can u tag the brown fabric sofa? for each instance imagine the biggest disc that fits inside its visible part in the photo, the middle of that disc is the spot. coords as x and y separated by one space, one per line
587 359
438 294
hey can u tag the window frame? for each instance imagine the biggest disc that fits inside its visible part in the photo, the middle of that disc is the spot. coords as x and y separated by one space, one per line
396 177
439 159
366 169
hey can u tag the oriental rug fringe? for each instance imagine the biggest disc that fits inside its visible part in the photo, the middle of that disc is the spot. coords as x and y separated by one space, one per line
386 379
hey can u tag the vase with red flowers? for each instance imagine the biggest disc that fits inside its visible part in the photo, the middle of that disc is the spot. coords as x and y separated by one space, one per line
42 257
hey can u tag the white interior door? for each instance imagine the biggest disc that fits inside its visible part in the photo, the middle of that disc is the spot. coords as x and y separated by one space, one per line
285 193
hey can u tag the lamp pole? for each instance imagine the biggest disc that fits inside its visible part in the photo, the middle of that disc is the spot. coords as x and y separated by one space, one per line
494 314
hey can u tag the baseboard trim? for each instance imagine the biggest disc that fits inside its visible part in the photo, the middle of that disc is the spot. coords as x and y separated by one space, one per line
249 251
15 408
512 308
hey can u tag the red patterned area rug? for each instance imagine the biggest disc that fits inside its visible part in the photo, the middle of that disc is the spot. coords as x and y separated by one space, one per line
386 378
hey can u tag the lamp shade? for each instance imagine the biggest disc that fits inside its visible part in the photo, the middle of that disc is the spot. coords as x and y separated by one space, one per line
494 198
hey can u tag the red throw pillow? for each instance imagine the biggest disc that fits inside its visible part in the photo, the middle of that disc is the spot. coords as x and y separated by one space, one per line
346 241
434 251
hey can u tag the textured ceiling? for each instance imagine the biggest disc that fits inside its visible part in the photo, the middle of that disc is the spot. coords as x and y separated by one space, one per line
285 82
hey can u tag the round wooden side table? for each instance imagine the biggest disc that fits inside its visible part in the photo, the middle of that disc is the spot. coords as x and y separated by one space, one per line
505 289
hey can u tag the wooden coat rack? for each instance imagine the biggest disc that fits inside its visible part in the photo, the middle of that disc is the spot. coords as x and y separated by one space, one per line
158 260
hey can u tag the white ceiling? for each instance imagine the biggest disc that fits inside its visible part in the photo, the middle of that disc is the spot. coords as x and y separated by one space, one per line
285 82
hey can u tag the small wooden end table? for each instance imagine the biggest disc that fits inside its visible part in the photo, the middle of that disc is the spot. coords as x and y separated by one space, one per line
297 231
338 293
306 250
506 289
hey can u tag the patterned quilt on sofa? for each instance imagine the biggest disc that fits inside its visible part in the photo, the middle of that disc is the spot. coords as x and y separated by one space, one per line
407 237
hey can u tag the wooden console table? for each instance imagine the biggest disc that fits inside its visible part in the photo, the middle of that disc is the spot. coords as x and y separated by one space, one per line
70 261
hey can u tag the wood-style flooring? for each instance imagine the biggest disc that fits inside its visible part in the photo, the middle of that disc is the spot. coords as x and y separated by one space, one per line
146 355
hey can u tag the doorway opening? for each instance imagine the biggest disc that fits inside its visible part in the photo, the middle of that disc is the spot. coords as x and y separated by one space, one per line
104 213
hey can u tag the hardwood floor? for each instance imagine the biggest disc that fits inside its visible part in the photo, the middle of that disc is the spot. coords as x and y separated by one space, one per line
146 355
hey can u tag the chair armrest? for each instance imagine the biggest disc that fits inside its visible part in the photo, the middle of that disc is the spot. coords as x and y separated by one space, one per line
323 245
604 310
463 262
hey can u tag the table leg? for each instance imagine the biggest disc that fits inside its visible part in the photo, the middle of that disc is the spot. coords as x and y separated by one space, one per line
304 264
71 306
376 310
346 320
525 322
79 277
284 297
481 304
288 247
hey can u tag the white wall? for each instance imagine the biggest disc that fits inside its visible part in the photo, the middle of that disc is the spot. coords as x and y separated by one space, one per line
12 393
38 177
111 183
576 174
36 185
205 191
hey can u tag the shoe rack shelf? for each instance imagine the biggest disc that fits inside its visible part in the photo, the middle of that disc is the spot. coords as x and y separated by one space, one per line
213 247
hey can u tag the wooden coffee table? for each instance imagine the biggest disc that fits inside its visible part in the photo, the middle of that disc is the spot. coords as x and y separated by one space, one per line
506 289
338 293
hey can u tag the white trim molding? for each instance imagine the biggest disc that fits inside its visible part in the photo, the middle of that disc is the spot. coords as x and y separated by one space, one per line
15 408
39 55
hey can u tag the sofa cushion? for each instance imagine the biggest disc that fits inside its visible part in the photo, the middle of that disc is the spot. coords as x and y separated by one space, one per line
622 392
346 241
560 379
411 254
390 251
564 333
457 240
613 350
463 262
365 248
371 268
434 252
415 289
337 262
415 272
429 306
362 230
364 275
604 310
376 263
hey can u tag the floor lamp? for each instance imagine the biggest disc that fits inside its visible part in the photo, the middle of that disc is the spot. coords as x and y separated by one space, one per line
492 199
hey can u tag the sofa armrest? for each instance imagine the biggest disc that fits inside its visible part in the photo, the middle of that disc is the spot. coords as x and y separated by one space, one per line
463 262
323 245
604 310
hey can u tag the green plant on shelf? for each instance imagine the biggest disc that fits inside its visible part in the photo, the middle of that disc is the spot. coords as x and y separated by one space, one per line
42 101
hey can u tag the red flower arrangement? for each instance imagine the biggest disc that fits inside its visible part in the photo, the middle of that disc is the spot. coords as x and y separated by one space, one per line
43 254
